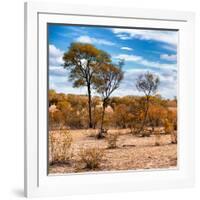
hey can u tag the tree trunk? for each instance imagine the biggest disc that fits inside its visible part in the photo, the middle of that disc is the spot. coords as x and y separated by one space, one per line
100 135
153 129
89 106
94 119
145 116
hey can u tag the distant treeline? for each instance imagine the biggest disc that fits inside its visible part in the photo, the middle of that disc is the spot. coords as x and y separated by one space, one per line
70 111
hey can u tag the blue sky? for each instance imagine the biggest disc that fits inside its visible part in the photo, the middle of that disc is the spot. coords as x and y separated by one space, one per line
143 50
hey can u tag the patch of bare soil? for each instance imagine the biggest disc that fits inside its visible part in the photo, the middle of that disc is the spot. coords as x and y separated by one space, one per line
132 153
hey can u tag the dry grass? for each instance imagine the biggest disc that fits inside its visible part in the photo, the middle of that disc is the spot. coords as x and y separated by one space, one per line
157 140
132 153
112 140
60 147
174 137
91 157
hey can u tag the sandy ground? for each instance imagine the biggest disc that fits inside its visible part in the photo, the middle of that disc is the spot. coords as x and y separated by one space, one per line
132 152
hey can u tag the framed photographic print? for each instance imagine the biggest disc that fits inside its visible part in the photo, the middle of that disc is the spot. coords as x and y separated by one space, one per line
108 99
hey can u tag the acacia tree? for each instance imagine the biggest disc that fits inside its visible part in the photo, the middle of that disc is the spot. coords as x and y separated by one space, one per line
83 60
107 80
148 84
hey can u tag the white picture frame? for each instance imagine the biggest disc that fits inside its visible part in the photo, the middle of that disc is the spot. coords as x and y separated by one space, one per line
37 182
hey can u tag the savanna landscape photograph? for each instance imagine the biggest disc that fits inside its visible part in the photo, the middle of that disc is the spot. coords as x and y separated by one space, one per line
112 99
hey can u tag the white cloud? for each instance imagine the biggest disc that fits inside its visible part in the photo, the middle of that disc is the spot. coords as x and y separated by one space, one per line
55 55
156 35
58 71
54 52
92 40
127 48
123 36
158 65
170 47
62 84
127 57
167 88
140 60
168 57
59 81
